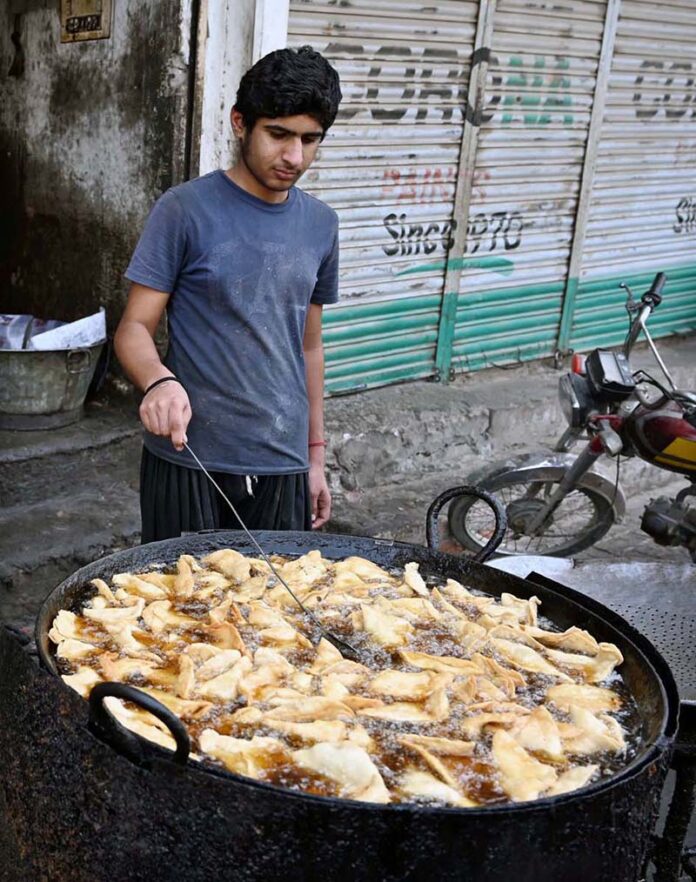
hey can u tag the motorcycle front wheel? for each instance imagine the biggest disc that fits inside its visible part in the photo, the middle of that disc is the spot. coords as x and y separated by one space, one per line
582 518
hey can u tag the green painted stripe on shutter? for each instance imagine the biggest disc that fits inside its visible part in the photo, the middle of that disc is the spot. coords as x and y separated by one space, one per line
387 343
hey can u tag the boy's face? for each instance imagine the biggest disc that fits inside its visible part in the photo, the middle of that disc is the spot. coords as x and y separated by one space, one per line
277 151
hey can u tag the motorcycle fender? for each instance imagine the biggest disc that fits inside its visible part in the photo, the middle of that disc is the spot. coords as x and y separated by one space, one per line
545 466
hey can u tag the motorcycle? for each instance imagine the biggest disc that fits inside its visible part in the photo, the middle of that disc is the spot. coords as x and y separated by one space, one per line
558 503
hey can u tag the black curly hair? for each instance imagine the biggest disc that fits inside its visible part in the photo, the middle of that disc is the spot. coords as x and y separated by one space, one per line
289 82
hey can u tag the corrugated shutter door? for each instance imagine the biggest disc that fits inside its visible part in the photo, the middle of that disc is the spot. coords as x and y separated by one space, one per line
388 167
539 95
643 212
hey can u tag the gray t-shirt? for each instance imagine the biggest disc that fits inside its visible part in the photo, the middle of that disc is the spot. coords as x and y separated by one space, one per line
242 273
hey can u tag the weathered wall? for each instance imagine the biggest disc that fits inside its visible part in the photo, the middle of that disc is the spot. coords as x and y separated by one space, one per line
90 134
225 45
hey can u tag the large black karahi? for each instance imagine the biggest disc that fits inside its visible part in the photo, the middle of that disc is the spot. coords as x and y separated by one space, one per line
74 809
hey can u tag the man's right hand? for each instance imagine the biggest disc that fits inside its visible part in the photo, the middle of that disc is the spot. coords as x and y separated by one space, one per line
167 411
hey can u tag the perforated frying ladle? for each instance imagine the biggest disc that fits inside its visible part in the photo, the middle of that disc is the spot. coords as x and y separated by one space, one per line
346 650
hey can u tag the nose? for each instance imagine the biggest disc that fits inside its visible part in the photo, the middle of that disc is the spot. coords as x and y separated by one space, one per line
292 154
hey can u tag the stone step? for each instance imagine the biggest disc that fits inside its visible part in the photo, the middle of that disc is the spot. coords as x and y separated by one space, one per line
45 540
37 465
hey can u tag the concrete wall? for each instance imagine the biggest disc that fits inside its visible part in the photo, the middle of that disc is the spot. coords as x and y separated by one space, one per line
90 134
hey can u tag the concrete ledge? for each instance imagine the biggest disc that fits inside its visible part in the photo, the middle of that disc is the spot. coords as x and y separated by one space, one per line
100 426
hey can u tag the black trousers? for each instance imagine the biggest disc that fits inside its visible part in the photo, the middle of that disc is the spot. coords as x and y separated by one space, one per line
175 499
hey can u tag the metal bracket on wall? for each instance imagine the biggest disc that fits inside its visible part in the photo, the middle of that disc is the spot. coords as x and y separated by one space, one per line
465 182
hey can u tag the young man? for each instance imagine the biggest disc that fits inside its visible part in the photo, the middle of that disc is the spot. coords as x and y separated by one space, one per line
243 263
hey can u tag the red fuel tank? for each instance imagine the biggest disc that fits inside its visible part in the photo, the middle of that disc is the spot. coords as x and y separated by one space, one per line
663 437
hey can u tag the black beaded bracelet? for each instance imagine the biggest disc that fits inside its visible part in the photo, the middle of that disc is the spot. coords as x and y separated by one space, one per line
161 380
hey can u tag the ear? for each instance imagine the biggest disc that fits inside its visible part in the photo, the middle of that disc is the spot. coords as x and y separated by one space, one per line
237 121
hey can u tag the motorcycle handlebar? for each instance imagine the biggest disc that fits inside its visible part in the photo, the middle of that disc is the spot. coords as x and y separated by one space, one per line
653 295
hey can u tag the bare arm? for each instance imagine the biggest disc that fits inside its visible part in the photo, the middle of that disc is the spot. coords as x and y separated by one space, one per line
314 368
166 410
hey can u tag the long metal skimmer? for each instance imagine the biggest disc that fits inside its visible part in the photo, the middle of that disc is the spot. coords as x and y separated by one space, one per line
346 650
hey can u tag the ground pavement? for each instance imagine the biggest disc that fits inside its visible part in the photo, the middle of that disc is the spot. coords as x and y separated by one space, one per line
70 495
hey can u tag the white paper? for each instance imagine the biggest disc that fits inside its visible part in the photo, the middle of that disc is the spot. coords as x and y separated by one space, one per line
86 331
523 564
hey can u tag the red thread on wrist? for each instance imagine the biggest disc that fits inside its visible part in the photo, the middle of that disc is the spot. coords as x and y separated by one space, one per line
317 444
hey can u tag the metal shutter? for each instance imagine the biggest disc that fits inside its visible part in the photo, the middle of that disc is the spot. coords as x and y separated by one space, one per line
526 180
388 167
642 216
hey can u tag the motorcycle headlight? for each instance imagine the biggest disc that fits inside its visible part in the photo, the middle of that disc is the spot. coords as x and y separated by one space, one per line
575 399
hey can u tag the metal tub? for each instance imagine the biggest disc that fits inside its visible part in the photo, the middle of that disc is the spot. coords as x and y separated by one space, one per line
45 389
